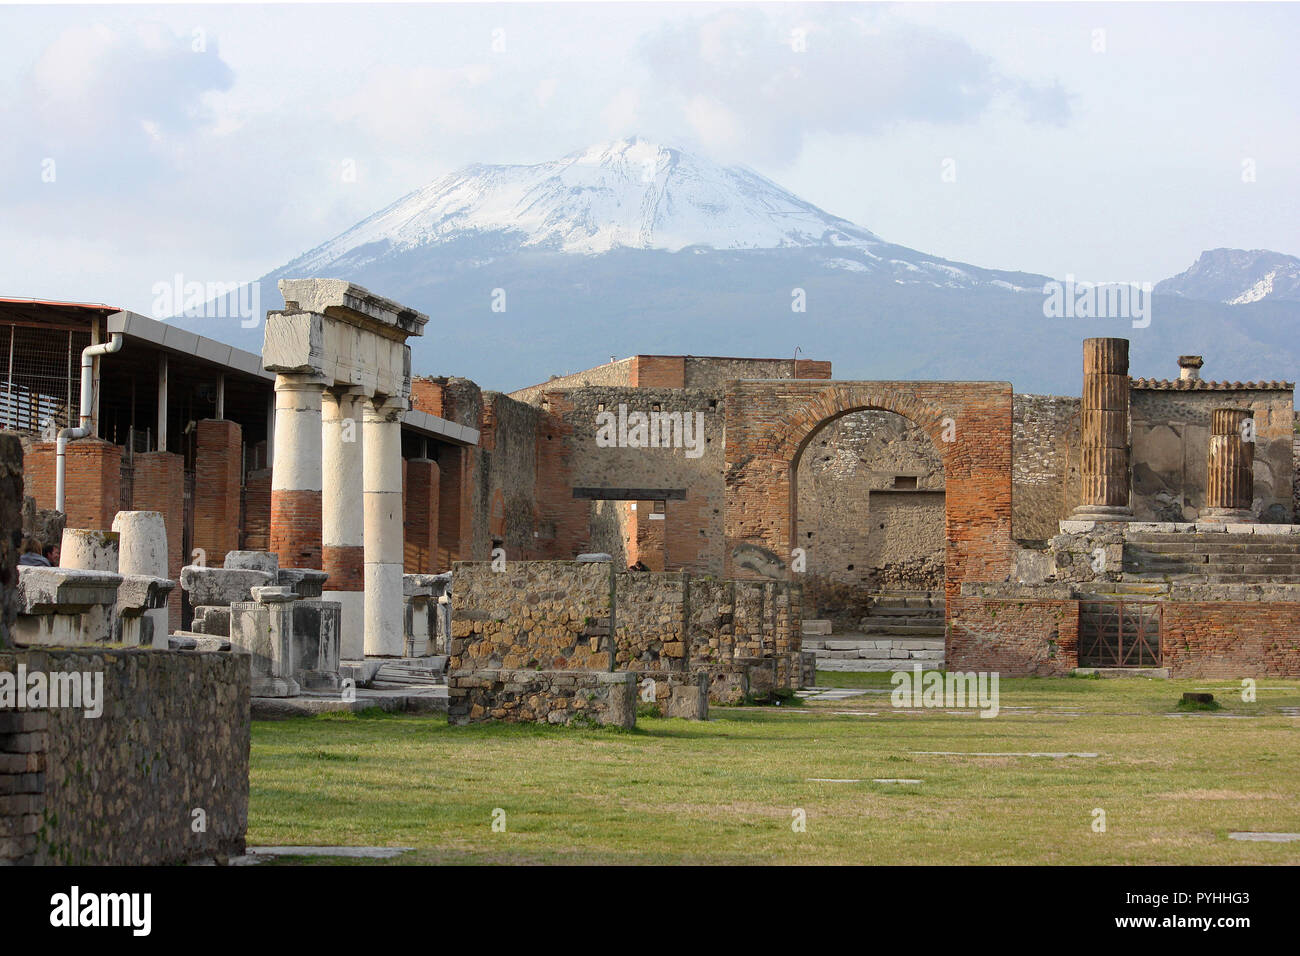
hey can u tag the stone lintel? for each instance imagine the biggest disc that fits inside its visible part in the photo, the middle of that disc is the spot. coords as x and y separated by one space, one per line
343 300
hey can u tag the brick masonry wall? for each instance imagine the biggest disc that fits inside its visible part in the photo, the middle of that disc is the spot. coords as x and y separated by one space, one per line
659 371
767 423
93 483
218 458
11 524
422 479
1231 639
1015 638
543 697
257 510
159 485
122 788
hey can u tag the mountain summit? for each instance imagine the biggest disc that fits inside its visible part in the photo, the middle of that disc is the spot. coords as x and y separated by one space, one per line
1238 277
629 194
633 247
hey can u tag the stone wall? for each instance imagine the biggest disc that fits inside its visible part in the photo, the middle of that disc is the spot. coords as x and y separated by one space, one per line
544 697
1231 639
1045 483
1171 437
858 532
546 615
122 788
650 621
555 615
691 527
612 373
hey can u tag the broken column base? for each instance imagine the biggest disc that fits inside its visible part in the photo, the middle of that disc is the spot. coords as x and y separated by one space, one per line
275 687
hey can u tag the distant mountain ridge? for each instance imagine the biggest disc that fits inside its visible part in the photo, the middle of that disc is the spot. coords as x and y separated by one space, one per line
631 247
1237 277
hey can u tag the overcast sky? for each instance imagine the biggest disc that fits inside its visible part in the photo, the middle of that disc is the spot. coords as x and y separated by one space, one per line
1107 141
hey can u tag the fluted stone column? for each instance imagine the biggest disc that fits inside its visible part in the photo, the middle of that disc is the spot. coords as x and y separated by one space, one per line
1230 479
342 516
1105 432
382 471
296 473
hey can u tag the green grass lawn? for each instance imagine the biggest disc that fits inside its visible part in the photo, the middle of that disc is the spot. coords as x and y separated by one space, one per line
1172 787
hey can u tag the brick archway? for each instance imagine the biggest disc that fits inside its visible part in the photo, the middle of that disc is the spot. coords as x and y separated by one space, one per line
770 422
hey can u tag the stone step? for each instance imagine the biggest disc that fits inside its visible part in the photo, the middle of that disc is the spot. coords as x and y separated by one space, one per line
889 611
1249 544
883 643
904 630
873 666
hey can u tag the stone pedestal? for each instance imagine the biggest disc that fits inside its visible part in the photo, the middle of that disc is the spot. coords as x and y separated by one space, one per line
1230 479
142 550
382 480
65 606
263 629
1104 412
296 471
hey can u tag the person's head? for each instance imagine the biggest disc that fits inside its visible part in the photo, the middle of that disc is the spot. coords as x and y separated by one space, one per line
51 553
31 546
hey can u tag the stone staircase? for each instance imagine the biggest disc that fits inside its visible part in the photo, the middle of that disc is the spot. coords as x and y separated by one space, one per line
1212 558
902 628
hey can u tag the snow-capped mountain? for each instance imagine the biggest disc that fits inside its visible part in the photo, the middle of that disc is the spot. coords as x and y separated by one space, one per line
630 247
627 194
1238 277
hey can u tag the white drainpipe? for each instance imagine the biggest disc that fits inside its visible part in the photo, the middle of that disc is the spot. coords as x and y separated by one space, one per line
87 413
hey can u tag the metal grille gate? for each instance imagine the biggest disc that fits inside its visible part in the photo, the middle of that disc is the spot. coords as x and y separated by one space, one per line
1120 633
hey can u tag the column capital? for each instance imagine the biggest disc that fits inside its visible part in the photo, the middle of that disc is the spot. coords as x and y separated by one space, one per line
387 408
299 381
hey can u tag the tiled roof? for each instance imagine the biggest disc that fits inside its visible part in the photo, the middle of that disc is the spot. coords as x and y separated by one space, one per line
1199 385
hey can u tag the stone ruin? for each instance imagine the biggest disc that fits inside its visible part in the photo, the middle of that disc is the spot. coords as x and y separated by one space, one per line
111 588
275 615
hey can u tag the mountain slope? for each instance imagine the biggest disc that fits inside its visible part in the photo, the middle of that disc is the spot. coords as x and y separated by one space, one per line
630 247
1237 277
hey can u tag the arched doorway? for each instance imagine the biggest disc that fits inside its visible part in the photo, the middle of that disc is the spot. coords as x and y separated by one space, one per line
868 516
769 423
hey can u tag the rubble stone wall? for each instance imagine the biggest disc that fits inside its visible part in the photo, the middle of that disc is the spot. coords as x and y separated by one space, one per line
542 697
160 777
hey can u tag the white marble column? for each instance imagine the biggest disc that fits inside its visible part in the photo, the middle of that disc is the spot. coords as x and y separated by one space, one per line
342 514
382 470
296 473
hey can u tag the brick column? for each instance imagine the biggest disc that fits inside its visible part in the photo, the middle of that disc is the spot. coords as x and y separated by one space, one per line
421 498
218 458
159 485
1230 480
1105 428
94 481
342 518
296 472
381 434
